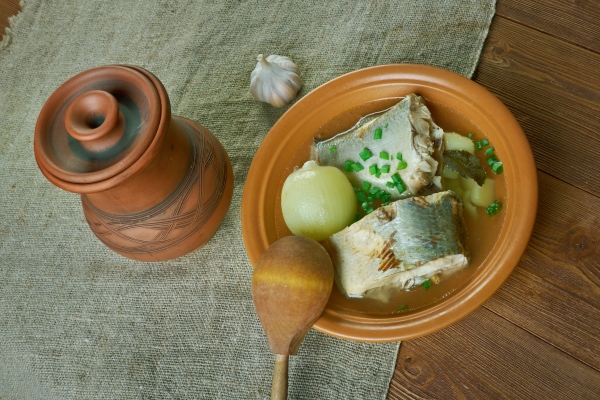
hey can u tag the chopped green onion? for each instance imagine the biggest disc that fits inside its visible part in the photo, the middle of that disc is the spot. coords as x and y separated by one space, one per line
378 173
478 145
356 190
391 185
385 196
365 154
386 203
484 142
357 167
386 125
357 217
370 199
402 165
373 169
379 194
427 284
370 210
361 196
491 160
493 208
374 190
365 206
403 307
378 133
385 169
396 178
399 156
497 167
470 135
489 151
348 166
384 155
332 148
366 185
401 187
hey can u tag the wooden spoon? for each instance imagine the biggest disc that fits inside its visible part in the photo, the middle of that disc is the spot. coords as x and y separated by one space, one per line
291 284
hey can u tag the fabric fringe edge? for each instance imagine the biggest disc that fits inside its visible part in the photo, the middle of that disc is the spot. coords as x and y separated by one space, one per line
12 23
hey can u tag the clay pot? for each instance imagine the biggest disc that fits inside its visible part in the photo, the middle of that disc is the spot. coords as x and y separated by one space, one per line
153 186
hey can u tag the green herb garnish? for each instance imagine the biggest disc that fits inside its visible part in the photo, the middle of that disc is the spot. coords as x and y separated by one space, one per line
427 284
357 167
385 169
491 160
384 155
373 169
348 166
378 133
403 307
332 148
366 185
391 185
399 156
470 135
401 187
497 167
365 154
489 151
402 165
494 208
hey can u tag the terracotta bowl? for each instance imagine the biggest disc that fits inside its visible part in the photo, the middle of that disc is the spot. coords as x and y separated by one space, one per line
457 104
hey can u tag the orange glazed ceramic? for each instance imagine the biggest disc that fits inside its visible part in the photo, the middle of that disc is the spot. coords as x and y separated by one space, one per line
457 104
153 186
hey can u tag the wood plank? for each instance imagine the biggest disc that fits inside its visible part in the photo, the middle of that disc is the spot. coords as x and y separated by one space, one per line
553 89
555 291
8 8
573 21
487 357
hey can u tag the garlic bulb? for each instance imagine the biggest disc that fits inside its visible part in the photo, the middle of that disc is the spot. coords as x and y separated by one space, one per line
275 80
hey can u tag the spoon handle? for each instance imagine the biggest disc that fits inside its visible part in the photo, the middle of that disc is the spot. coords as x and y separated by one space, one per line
280 377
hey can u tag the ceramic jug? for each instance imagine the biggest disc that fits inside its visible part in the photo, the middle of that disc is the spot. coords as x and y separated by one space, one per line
153 186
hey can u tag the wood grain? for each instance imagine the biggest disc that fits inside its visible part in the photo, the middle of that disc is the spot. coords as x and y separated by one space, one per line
555 292
553 89
8 8
487 357
572 21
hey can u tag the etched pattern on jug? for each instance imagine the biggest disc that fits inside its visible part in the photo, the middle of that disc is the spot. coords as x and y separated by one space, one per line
176 218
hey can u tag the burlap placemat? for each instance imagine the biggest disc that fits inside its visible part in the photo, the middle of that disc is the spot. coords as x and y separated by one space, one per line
80 322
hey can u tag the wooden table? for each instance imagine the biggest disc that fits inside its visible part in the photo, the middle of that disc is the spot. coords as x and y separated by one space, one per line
539 336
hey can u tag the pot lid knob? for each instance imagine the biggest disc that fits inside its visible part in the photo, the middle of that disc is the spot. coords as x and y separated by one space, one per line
94 119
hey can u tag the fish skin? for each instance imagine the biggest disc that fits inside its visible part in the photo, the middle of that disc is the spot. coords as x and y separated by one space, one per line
410 131
403 244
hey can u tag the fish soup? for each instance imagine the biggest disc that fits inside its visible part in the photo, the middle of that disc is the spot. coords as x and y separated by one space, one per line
482 230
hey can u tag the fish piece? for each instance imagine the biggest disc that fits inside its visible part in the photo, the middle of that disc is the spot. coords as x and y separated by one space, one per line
406 128
404 244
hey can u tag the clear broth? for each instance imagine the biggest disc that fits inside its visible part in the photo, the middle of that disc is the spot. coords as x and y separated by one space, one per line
482 231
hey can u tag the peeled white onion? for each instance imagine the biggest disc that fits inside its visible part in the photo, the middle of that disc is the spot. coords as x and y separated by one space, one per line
317 201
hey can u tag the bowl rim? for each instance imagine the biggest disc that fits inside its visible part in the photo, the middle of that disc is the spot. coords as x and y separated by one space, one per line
518 220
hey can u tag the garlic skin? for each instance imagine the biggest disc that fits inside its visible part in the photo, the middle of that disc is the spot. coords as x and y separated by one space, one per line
275 80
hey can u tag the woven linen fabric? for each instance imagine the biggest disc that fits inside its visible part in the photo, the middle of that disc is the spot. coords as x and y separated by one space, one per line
78 321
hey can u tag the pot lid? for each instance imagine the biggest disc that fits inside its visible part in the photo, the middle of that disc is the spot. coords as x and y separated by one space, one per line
97 125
